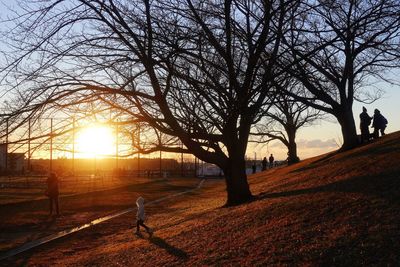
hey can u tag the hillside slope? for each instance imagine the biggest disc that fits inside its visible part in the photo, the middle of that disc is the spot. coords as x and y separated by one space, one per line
336 209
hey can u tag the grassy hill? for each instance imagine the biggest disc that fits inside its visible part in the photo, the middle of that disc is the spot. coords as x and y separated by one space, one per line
335 209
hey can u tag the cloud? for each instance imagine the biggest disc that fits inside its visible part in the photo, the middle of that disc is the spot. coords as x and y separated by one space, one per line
317 143
305 148
305 144
277 145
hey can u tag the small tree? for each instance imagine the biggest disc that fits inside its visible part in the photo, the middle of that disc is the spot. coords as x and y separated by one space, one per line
286 116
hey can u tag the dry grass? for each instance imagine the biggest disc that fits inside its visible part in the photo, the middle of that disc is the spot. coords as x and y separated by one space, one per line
338 209
30 188
29 220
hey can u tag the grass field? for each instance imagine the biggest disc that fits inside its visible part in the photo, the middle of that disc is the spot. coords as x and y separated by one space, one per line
340 209
27 188
27 220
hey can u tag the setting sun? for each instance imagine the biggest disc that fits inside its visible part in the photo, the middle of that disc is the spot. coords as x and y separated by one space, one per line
95 141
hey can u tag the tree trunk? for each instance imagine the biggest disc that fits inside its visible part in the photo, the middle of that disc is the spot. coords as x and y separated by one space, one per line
237 187
292 157
292 146
349 132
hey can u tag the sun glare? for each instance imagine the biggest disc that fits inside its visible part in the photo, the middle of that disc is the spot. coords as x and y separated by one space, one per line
95 141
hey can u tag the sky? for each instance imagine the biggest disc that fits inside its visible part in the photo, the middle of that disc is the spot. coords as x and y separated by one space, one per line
325 135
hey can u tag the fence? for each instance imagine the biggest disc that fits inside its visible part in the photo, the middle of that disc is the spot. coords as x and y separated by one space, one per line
41 147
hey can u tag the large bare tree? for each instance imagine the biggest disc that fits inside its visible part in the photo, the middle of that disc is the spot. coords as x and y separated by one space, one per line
337 49
196 70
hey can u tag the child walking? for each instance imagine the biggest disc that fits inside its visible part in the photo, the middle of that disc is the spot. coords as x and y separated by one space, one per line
140 217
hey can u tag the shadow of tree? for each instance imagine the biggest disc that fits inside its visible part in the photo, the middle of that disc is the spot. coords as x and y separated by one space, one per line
386 146
161 243
386 186
316 163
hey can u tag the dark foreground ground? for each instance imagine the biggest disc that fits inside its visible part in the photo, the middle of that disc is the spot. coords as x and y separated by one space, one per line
337 210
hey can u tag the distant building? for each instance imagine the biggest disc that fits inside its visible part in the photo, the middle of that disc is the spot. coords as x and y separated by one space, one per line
16 162
11 162
3 157
208 169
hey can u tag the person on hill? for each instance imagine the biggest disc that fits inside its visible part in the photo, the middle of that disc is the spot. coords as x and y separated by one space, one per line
52 192
271 161
365 121
379 123
140 217
264 163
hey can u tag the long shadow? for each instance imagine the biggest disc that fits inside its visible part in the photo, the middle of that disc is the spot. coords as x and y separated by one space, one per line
388 146
41 204
18 260
315 163
33 230
179 253
42 228
386 186
168 187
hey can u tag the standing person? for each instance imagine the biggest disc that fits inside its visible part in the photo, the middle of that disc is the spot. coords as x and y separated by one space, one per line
140 217
379 123
254 168
52 192
264 164
271 161
365 121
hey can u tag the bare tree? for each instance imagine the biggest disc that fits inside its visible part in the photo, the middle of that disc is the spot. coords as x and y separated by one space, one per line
339 47
286 116
189 69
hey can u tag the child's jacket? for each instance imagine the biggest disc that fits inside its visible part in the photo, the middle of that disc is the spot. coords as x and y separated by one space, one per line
140 209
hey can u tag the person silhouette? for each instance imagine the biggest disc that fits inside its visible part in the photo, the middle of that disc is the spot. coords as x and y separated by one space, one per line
365 121
264 163
379 123
271 161
53 192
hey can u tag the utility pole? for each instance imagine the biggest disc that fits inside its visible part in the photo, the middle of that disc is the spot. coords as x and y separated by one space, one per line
51 144
6 154
29 145
116 148
182 160
160 164
73 146
138 155
196 160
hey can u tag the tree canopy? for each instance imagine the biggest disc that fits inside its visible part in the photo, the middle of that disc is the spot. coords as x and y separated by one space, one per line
198 71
